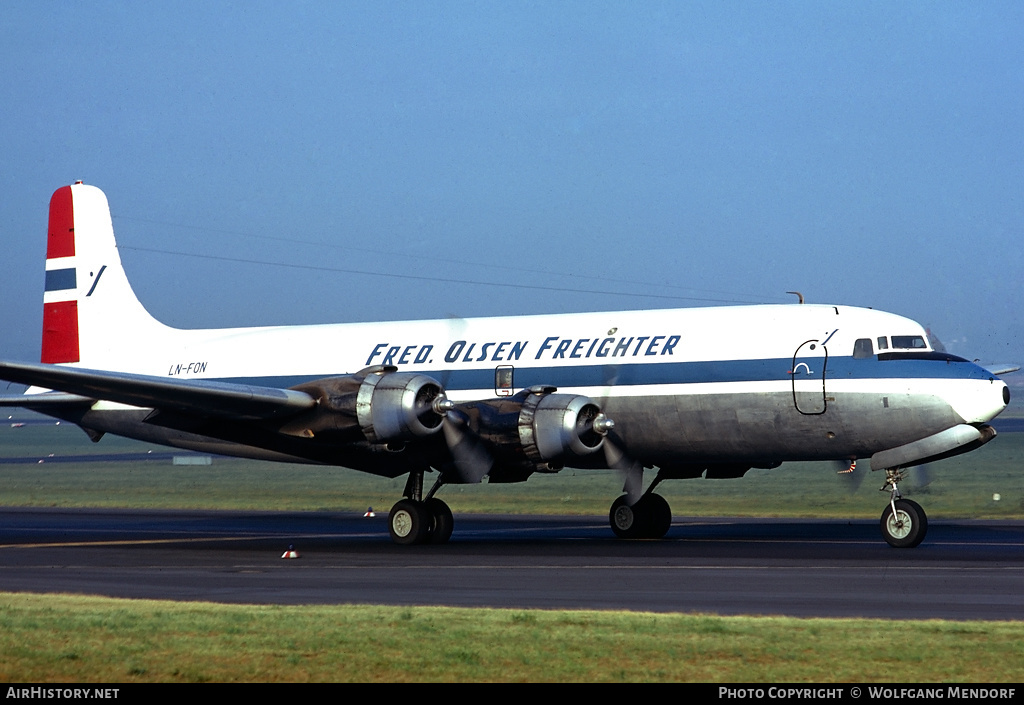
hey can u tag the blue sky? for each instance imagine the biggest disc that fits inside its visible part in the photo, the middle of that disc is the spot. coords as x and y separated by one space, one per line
335 162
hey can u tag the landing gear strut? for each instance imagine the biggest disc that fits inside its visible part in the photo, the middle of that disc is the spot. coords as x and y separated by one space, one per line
415 520
903 523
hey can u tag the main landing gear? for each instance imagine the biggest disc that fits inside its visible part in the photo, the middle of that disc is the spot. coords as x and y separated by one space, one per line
649 518
903 523
414 520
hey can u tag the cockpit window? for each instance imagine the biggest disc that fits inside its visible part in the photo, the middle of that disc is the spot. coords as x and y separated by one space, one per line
862 348
913 342
883 343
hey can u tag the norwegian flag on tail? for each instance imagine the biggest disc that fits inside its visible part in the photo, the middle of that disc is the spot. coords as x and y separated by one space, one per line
60 302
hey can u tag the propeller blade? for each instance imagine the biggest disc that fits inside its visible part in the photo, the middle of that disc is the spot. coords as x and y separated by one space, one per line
922 476
632 470
616 457
471 458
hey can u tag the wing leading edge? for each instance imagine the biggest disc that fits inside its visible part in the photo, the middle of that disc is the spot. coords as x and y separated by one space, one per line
217 399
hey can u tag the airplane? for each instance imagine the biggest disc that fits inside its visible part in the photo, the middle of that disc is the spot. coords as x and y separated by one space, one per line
699 392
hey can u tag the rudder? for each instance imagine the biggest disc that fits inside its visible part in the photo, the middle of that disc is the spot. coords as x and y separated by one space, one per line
60 305
91 316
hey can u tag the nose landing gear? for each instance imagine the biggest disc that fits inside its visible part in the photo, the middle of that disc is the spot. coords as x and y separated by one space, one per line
903 523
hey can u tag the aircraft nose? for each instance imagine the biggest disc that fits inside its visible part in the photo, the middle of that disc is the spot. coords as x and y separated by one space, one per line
989 398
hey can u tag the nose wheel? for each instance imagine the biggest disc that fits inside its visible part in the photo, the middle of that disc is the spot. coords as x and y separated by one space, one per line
903 523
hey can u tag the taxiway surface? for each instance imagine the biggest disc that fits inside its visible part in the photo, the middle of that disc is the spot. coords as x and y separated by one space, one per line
964 570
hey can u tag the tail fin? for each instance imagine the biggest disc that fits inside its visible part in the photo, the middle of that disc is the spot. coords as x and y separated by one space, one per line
91 315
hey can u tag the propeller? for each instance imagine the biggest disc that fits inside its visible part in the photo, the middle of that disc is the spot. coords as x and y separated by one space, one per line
471 458
922 476
534 427
632 470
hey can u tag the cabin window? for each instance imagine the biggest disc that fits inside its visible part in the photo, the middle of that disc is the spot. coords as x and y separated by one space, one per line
862 349
883 343
914 342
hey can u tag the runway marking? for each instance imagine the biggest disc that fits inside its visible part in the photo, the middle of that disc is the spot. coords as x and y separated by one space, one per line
198 539
448 568
713 539
292 538
689 566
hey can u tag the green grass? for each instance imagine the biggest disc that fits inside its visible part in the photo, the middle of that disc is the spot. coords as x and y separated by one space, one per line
48 638
960 487
87 639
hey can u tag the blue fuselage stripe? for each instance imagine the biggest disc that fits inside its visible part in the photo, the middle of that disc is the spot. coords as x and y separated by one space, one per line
718 371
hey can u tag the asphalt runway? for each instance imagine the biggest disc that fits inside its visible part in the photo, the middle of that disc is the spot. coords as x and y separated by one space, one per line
964 570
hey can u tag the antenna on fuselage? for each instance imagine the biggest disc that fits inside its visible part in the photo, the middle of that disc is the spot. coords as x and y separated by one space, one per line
798 294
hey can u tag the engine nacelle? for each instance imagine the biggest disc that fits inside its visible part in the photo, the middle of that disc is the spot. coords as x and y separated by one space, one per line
556 426
386 406
398 406
535 430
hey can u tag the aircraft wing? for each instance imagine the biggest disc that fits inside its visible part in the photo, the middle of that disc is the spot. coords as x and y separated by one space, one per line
218 399
1001 369
47 399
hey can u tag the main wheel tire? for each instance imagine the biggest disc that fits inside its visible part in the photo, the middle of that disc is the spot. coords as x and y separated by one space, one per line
907 527
409 522
442 522
658 513
626 521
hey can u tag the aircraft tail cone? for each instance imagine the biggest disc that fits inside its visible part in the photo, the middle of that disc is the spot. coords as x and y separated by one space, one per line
290 553
370 513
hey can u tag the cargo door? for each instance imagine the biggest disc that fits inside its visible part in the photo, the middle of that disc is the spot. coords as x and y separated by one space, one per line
808 374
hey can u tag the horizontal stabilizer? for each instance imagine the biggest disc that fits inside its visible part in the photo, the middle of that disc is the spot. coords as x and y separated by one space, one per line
220 399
